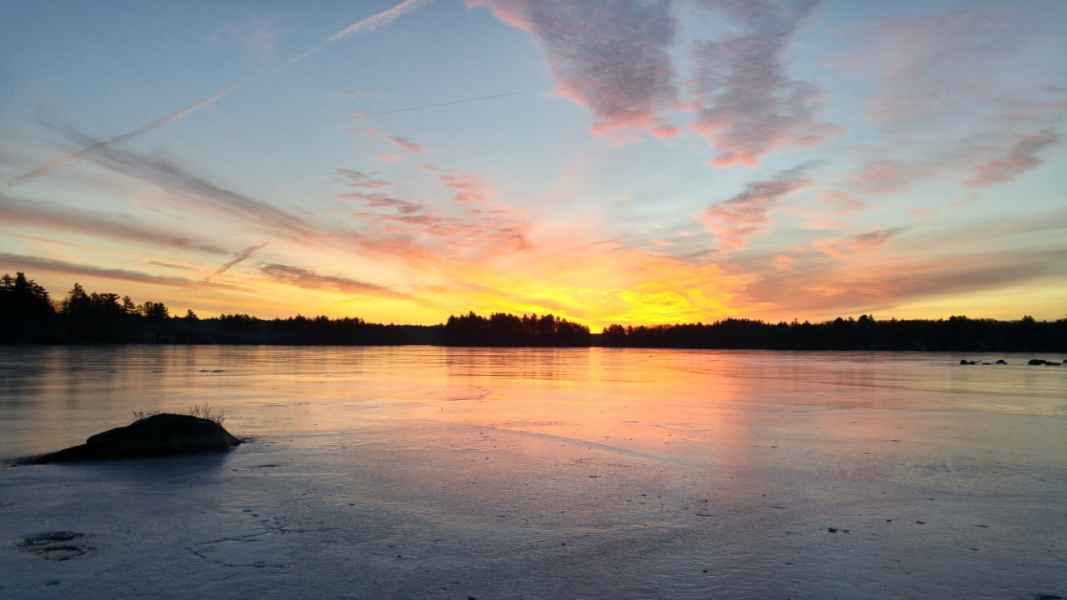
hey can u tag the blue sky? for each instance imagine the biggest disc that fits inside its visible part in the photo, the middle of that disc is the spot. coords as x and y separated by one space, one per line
638 161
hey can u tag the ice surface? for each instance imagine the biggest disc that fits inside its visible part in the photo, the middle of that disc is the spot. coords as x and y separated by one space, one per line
446 473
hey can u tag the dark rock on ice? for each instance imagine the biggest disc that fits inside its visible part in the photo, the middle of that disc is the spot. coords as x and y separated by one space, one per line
157 435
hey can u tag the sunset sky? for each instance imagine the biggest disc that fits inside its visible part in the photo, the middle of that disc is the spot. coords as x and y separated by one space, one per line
610 161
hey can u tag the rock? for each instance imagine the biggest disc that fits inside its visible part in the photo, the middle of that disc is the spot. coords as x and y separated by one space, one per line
157 435
1002 362
1040 362
968 362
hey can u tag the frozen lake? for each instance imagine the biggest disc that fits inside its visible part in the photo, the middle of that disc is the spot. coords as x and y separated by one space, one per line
424 472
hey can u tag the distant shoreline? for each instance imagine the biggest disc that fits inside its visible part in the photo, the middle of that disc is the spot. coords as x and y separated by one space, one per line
990 353
29 315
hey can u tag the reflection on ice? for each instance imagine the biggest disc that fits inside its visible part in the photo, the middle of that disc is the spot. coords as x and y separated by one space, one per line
432 472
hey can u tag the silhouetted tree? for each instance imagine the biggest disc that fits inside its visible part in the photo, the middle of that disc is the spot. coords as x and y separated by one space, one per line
502 329
155 311
26 311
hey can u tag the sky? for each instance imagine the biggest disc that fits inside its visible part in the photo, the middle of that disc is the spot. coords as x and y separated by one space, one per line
608 161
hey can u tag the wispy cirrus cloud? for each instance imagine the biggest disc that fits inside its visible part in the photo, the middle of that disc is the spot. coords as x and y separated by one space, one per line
468 188
371 23
242 256
938 68
611 56
842 203
830 288
379 20
49 265
172 177
888 176
46 215
308 279
406 143
862 243
748 105
172 266
1022 156
370 190
746 214
362 181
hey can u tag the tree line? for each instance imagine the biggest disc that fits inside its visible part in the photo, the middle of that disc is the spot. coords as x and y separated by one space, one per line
957 333
28 314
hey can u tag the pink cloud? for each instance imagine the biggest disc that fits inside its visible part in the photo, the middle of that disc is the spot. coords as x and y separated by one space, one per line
308 279
940 67
748 106
610 56
468 188
889 176
1021 157
664 130
784 262
406 143
362 181
842 202
857 244
748 213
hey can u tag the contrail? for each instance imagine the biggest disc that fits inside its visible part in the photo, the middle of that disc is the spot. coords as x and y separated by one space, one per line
439 104
242 256
59 161
370 23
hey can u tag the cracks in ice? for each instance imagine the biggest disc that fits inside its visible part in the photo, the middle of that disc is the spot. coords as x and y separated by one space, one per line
251 550
56 545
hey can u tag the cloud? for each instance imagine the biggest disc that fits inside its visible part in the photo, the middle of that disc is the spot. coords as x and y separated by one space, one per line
242 256
167 265
100 144
610 56
748 106
362 181
33 263
379 20
367 189
63 218
1021 157
477 226
748 213
386 201
842 202
964 63
862 243
469 189
172 177
370 23
307 279
989 158
405 143
883 177
820 289
956 264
